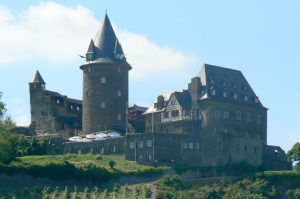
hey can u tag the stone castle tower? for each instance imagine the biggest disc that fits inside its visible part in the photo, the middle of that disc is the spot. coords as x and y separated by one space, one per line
105 83
36 90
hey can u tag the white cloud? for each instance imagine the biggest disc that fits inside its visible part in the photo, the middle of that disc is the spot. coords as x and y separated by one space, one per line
58 33
49 31
148 59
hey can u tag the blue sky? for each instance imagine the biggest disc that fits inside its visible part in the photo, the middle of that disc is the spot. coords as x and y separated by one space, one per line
165 41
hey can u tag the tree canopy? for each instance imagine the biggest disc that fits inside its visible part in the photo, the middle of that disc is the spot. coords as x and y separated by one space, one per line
2 107
294 153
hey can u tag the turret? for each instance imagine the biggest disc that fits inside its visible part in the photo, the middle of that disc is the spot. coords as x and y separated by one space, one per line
37 82
105 83
36 90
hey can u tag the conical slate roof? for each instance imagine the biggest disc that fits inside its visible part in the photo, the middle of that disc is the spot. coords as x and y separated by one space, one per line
106 44
37 78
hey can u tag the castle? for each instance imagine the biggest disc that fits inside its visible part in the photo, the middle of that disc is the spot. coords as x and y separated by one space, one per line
217 120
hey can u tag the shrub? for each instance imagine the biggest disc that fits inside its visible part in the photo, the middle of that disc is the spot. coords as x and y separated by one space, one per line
112 164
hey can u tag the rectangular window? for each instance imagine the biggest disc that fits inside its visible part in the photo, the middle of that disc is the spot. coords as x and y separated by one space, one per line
259 120
149 143
217 114
184 145
213 92
102 150
226 114
235 96
102 105
119 116
191 145
197 145
140 144
239 115
119 93
246 98
103 80
131 145
249 117
174 113
224 94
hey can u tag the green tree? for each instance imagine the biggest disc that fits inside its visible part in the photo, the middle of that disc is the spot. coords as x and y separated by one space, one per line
294 154
7 146
2 107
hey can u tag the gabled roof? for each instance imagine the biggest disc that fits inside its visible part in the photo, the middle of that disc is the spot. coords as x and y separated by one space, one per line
106 44
227 80
37 78
153 109
184 99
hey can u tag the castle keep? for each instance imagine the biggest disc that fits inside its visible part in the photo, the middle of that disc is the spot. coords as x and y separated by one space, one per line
105 83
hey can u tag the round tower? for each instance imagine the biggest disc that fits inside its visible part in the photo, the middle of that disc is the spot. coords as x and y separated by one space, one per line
105 83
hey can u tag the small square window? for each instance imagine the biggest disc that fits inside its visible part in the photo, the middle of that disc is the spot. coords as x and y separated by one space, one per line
140 144
235 96
103 105
131 145
149 143
213 92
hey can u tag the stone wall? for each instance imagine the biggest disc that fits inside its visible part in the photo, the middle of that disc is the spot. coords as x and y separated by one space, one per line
109 146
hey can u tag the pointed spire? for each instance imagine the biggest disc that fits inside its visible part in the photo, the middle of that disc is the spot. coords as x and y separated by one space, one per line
106 44
90 52
91 46
37 78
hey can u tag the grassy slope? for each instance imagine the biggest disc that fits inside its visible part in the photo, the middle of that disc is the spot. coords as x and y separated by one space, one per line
101 161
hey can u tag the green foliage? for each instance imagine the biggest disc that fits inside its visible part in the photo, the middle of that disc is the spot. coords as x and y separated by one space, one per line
112 164
147 192
7 147
7 124
294 153
2 107
66 194
77 167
